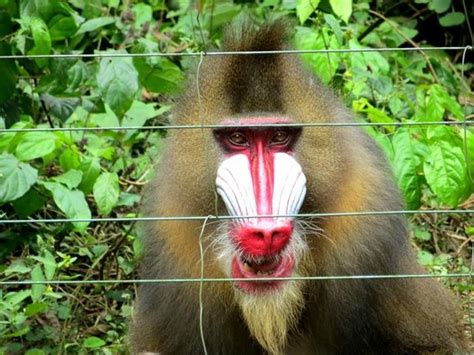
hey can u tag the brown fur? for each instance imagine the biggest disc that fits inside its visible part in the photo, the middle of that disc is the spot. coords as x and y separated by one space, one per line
346 172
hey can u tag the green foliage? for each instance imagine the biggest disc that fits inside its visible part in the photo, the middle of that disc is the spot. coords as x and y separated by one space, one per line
99 173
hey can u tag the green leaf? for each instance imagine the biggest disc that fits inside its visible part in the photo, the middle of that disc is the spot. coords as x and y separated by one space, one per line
41 39
71 179
106 192
407 165
37 290
29 203
61 107
422 234
35 308
117 80
93 342
16 298
16 178
304 9
90 168
446 173
425 258
95 24
342 9
71 202
34 145
138 114
452 19
156 74
62 27
324 65
128 199
143 13
45 9
17 267
35 352
49 263
70 158
439 6
335 27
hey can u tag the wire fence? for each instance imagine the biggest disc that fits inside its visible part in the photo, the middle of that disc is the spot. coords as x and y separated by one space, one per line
465 124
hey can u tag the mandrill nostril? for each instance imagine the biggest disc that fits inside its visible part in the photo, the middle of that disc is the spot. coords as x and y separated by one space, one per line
263 240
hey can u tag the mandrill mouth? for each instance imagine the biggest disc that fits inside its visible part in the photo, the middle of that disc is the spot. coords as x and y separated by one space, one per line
279 265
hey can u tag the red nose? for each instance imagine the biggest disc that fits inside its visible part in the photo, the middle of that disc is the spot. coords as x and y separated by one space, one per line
263 239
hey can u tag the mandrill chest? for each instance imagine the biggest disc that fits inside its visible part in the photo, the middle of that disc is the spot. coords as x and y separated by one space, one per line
262 186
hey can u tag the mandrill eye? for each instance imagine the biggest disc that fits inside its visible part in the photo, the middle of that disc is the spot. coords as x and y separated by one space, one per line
280 138
238 138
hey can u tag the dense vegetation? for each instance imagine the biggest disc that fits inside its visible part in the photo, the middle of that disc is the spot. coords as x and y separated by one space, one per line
100 173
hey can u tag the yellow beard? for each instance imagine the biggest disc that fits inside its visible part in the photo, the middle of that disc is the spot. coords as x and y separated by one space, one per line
270 316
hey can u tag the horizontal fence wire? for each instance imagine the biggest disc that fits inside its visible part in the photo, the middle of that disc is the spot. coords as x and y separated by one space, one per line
234 279
219 126
212 217
227 53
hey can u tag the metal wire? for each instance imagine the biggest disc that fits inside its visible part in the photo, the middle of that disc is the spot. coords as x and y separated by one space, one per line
202 218
249 125
201 126
230 279
226 53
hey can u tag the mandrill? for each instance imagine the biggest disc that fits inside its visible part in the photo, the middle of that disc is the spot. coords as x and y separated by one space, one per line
271 172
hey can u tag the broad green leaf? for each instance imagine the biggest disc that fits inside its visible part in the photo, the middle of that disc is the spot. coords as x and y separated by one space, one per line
15 298
143 14
29 203
93 342
106 192
34 145
16 178
90 168
439 6
342 8
61 27
445 100
224 12
452 19
70 158
374 115
138 114
45 9
335 27
117 80
17 267
304 9
37 290
71 178
425 258
324 65
71 202
92 9
422 234
446 173
156 74
407 165
128 199
61 107
95 24
41 39
35 308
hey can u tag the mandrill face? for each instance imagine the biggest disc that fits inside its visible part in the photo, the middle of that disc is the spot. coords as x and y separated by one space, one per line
259 176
